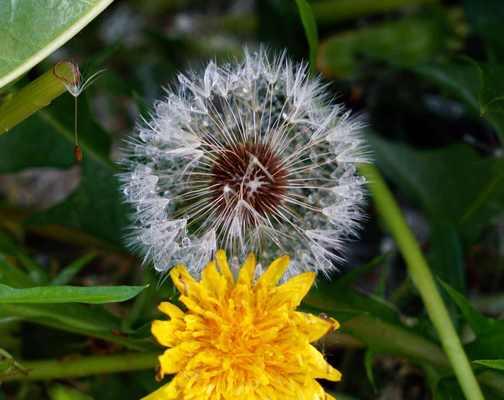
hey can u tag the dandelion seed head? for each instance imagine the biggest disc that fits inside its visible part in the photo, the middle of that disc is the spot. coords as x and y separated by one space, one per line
249 156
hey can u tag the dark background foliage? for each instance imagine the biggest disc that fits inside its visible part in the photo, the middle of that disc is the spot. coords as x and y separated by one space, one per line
428 76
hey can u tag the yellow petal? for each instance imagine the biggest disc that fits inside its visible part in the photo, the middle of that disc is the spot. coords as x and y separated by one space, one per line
171 310
319 367
247 270
214 282
314 327
183 280
274 272
164 331
222 263
165 392
293 291
174 359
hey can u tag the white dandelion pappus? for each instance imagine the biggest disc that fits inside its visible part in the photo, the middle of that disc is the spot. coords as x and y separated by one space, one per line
251 156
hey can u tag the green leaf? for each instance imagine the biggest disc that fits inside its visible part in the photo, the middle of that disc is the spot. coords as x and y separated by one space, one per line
403 43
489 332
479 86
69 272
310 28
30 32
454 185
96 207
493 364
68 294
478 322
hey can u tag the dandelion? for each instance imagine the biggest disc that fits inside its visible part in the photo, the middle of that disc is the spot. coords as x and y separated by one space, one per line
243 338
251 156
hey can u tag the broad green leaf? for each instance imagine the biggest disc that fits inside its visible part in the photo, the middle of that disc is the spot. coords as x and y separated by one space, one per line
31 31
17 150
479 86
453 185
493 364
96 207
310 28
404 43
68 294
69 272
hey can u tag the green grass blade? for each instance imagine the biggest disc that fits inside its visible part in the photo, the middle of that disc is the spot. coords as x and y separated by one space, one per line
68 294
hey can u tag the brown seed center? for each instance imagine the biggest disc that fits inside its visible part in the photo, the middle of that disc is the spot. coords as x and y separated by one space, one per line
249 172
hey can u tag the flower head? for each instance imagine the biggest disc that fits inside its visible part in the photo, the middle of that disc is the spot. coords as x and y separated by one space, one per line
243 338
246 156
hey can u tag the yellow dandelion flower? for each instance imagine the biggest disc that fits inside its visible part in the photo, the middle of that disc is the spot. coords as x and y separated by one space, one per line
243 338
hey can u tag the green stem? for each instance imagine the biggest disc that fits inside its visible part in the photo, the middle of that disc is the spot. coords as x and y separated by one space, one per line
34 96
423 280
84 366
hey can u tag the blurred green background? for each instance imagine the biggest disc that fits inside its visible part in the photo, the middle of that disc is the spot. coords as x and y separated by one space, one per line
429 78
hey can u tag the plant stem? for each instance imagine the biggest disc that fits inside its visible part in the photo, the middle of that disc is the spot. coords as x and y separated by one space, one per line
84 366
423 280
34 96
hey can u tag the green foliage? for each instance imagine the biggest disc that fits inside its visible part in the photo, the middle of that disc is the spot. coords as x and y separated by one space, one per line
479 85
489 332
453 185
37 31
68 294
403 43
310 27
494 364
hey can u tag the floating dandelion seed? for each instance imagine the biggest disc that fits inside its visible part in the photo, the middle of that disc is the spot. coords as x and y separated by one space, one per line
75 86
252 156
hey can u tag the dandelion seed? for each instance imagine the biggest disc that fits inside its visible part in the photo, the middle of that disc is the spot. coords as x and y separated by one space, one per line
75 86
246 156
241 338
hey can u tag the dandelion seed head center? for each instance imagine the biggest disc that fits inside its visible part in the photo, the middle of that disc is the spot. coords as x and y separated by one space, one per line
249 172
